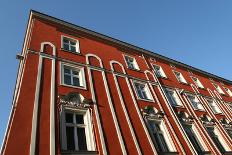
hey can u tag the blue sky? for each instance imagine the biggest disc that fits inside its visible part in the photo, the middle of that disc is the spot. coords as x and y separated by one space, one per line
195 32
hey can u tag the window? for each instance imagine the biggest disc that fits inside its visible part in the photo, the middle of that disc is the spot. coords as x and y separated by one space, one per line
173 98
195 102
214 106
142 91
76 131
159 71
73 76
158 136
180 77
197 82
228 91
229 131
218 88
131 62
70 44
188 128
215 138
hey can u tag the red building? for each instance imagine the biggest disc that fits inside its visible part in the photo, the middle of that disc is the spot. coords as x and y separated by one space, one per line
81 92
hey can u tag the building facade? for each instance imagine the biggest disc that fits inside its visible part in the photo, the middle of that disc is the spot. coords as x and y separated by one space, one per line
81 92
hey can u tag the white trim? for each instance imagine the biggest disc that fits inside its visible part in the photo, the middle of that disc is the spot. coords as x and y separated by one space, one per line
96 111
52 99
72 39
123 105
35 110
121 141
140 116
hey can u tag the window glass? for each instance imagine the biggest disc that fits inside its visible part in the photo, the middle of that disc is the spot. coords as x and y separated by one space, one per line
197 82
173 98
195 102
158 136
131 62
159 71
180 77
70 44
142 91
215 138
193 138
214 106
72 76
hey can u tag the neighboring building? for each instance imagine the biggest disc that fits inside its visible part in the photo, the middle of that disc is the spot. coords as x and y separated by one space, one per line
81 92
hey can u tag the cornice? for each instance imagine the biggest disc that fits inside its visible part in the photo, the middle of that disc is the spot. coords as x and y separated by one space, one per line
137 49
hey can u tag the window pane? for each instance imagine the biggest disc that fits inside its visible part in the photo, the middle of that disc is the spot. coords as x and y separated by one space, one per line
215 139
76 81
69 118
194 140
81 139
79 119
73 48
67 70
67 79
65 40
75 72
70 138
66 46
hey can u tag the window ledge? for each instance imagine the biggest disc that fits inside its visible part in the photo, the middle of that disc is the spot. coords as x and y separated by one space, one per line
162 77
147 100
79 152
184 83
168 153
62 49
178 106
71 86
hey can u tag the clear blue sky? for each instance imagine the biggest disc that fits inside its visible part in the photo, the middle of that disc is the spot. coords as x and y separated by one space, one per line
195 32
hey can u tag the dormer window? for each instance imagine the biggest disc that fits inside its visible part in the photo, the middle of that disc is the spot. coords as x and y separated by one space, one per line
218 88
195 102
159 71
131 63
70 44
179 77
228 91
197 82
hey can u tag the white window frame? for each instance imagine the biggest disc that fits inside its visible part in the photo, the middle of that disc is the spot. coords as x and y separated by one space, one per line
77 46
199 104
135 64
228 91
146 88
197 82
89 133
176 98
162 73
81 71
167 136
220 137
213 105
201 141
218 88
181 78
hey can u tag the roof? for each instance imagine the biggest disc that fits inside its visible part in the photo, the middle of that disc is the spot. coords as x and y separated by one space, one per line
34 13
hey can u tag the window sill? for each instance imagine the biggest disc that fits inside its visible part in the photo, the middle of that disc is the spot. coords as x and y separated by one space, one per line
162 77
168 153
147 100
199 109
178 106
134 69
78 87
77 53
79 152
184 83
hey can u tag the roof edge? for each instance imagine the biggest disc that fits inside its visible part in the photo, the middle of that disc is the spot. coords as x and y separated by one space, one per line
122 43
